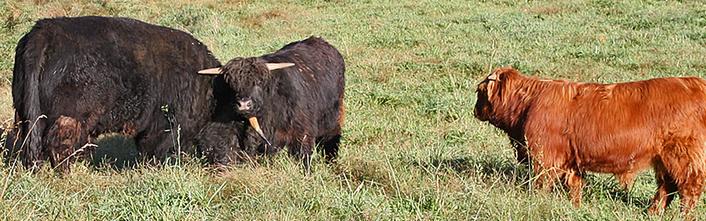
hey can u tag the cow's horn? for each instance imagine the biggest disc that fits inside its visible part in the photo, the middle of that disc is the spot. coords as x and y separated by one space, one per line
255 125
493 77
210 71
275 66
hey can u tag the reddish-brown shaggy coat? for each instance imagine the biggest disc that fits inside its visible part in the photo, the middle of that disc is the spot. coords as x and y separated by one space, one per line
571 128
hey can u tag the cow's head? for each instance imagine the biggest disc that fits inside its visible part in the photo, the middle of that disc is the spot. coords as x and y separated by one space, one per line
490 93
248 77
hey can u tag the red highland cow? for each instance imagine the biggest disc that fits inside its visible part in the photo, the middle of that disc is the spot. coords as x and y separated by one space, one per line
571 128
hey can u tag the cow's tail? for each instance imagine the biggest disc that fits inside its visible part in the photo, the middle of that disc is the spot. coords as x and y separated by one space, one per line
29 120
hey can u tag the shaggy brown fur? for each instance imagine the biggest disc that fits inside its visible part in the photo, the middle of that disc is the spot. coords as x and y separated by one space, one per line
108 75
219 143
571 128
64 133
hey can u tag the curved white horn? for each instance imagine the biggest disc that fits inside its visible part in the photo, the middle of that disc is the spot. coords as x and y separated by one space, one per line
210 71
255 125
275 66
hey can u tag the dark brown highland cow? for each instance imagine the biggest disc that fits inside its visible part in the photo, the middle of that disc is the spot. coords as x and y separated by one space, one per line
571 128
219 143
92 75
291 98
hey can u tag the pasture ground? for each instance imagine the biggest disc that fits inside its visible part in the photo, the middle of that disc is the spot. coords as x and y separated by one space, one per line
411 148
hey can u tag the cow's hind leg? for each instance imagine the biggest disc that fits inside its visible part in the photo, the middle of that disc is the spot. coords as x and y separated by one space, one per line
62 139
666 187
329 147
11 148
686 164
690 192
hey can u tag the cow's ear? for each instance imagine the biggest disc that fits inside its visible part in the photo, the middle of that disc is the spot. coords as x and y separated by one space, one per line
491 87
493 82
211 71
275 66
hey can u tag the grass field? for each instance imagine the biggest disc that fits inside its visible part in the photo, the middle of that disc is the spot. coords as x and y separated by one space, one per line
411 148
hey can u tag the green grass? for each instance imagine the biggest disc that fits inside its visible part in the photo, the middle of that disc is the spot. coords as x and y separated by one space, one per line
411 148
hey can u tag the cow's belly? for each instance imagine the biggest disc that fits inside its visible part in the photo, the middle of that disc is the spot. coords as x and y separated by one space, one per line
616 160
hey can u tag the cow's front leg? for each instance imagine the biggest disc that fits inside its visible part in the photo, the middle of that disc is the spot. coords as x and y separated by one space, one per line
521 150
548 160
545 177
302 148
666 187
626 180
574 180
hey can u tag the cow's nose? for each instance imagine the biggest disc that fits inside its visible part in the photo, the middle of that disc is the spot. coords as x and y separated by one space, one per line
244 105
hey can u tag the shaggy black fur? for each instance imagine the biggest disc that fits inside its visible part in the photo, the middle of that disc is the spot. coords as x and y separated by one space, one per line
100 74
297 107
219 143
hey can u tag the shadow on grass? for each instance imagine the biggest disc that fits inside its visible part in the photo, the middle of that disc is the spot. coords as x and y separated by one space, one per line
508 171
521 177
113 151
609 188
116 152
632 199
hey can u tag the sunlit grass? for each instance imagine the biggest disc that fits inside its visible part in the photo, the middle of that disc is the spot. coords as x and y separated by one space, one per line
411 147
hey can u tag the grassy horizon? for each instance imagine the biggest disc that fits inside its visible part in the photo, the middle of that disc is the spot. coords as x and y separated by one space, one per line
411 147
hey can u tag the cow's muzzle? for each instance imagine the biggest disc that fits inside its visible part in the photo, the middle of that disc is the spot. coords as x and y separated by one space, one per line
255 125
245 105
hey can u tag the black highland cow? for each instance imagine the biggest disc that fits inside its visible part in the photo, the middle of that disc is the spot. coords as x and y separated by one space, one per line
92 75
291 98
219 143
